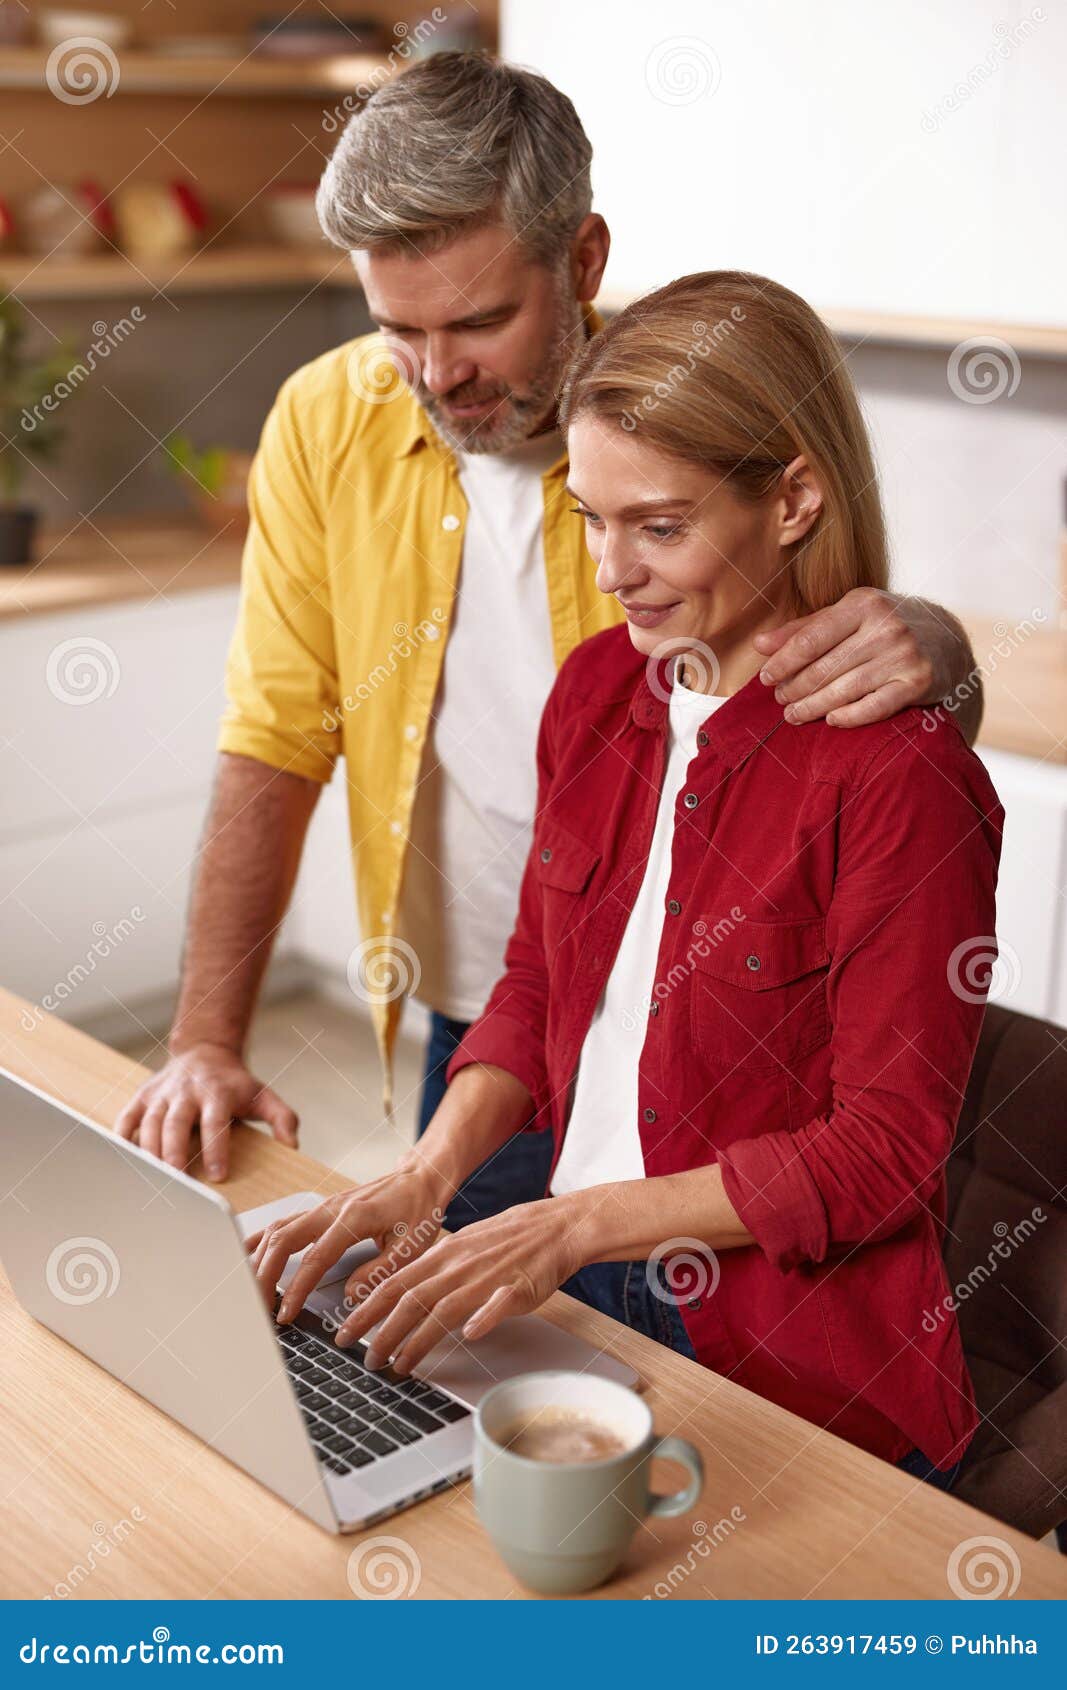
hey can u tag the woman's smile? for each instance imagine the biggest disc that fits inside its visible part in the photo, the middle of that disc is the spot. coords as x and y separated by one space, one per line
648 615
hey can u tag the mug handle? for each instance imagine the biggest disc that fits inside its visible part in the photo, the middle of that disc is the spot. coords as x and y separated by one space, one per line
679 1501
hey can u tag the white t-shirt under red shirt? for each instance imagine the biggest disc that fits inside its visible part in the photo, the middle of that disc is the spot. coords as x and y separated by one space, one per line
603 1141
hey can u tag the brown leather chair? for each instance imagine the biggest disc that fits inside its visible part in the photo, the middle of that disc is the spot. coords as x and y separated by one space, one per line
1006 1258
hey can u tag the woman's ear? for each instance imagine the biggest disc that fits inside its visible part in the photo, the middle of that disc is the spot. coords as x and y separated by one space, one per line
799 499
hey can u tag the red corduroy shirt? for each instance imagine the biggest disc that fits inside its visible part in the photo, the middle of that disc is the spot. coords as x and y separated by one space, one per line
812 1027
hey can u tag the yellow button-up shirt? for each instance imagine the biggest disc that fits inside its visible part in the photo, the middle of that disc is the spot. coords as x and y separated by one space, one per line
348 583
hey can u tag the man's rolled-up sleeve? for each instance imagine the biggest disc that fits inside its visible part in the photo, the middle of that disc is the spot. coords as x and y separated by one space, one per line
910 934
281 673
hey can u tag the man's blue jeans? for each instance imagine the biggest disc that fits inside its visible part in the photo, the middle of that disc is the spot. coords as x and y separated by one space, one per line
518 1173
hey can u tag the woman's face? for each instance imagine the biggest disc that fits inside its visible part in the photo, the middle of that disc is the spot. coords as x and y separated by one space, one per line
684 556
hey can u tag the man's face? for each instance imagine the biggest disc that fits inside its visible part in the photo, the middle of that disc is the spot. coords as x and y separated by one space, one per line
480 332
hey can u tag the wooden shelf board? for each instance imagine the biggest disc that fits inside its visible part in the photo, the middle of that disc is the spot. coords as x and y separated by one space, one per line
143 72
894 328
222 268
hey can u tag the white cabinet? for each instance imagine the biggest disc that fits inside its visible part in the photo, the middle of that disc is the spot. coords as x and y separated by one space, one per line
108 720
1031 903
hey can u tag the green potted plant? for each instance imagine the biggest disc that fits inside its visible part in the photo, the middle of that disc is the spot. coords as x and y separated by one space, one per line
29 428
215 478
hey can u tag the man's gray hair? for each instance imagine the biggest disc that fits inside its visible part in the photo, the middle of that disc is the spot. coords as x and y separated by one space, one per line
457 142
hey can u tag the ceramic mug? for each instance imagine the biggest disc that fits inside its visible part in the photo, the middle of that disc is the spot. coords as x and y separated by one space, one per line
564 1526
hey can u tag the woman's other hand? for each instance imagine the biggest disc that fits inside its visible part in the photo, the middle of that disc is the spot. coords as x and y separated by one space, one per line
402 1212
474 1279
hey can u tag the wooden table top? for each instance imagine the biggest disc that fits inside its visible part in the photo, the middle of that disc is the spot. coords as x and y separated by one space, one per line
788 1510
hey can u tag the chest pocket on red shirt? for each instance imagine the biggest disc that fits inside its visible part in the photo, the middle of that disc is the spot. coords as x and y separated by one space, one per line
564 866
759 996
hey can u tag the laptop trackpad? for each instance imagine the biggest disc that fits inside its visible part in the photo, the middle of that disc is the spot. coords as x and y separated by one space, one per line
525 1344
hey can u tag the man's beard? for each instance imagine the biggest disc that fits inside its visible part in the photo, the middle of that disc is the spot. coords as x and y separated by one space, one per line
515 415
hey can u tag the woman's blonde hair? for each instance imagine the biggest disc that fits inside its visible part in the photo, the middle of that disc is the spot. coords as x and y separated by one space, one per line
739 375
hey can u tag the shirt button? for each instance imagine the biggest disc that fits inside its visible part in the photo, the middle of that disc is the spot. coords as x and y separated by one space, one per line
653 1009
752 962
394 827
674 906
702 738
411 731
650 1115
546 855
694 1303
690 800
450 523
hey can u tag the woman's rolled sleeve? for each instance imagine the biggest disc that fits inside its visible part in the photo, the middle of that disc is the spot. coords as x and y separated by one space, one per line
913 908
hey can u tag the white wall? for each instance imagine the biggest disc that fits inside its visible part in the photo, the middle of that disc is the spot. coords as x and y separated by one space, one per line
905 157
812 143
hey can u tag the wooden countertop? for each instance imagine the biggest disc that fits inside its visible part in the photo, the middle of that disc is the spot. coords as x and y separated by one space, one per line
814 1517
94 564
1025 668
1025 683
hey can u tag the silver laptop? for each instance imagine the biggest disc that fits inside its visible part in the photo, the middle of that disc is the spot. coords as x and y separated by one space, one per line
145 1271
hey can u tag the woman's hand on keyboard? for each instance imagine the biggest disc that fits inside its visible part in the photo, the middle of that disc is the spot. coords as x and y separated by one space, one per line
472 1279
402 1212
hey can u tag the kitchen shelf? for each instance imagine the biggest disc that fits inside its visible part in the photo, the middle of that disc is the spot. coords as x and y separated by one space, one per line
102 275
143 72
901 329
1033 338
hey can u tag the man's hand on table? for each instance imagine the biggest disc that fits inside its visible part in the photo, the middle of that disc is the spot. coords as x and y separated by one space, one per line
205 1086
866 657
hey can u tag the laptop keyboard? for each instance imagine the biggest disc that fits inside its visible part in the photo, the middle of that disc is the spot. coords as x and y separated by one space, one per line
355 1416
